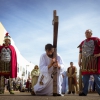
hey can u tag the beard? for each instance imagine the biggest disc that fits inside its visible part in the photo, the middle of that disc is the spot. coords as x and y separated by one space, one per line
50 56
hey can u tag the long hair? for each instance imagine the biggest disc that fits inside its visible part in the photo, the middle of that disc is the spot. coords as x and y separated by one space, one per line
36 66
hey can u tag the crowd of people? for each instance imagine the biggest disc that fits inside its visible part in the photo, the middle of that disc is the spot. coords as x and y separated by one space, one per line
67 85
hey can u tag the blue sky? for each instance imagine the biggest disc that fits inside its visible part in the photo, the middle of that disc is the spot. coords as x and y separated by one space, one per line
29 23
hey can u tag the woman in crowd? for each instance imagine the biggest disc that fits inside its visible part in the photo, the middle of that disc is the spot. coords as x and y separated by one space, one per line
35 74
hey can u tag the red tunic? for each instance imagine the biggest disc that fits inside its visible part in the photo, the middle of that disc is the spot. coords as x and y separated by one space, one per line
96 51
13 73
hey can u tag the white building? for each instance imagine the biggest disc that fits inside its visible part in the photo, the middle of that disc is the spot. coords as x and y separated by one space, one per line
24 67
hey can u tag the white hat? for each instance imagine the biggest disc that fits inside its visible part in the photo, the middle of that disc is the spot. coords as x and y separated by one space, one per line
7 36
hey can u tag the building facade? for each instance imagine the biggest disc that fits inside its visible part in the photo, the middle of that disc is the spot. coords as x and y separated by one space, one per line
24 67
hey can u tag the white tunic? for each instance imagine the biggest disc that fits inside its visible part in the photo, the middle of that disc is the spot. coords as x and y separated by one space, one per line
47 87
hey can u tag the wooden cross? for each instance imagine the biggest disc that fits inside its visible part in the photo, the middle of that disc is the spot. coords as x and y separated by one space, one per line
55 35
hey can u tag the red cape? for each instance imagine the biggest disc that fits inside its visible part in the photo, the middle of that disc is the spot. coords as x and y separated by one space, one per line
13 73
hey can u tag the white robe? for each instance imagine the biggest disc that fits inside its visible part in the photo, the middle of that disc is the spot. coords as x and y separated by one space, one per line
47 87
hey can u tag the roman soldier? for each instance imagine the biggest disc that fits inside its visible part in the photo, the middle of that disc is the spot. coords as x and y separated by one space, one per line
8 64
89 61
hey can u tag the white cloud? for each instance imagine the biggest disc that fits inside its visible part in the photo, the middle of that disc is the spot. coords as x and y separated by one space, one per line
32 28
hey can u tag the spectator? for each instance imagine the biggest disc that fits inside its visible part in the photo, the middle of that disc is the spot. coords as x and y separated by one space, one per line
91 82
35 74
65 82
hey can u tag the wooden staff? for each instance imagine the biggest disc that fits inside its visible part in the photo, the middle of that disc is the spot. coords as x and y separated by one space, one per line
55 35
80 79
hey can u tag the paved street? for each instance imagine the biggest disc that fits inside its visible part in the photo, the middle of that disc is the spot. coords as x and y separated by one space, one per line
27 96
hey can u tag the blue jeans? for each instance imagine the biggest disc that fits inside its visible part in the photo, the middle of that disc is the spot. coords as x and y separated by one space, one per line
86 83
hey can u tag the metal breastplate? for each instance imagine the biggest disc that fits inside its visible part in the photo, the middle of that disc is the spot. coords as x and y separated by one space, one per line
88 48
5 55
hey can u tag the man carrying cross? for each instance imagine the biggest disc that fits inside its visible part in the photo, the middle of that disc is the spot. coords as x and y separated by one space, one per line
51 67
44 85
